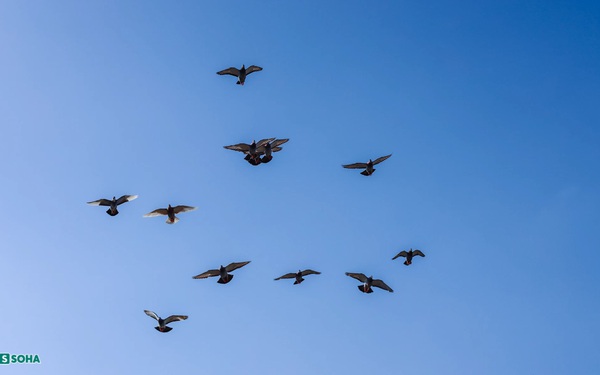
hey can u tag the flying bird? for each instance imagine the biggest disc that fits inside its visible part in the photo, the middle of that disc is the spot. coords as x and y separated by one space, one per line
112 204
268 148
162 323
170 212
409 255
369 282
368 166
222 272
240 73
251 150
298 275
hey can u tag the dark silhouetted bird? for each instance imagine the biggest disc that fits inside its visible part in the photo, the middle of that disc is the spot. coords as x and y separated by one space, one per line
112 204
368 166
270 147
250 150
298 275
368 283
162 323
222 272
170 212
409 255
240 73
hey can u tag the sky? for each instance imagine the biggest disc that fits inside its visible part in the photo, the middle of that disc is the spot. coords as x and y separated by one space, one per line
490 109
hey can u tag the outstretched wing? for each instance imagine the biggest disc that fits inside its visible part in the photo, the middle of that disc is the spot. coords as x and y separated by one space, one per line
400 254
178 209
241 147
235 266
279 142
252 69
231 71
379 160
207 274
418 252
100 202
358 276
157 212
355 166
276 149
380 284
151 314
287 276
310 272
126 198
175 318
263 142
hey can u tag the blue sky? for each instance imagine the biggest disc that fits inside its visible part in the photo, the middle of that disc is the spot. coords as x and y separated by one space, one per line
491 112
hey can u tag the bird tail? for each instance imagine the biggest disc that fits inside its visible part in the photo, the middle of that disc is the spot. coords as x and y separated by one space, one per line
406 263
228 279
111 213
239 83
164 330
175 219
366 173
298 281
266 159
362 289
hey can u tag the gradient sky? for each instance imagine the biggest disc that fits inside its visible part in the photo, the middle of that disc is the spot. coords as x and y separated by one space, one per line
490 108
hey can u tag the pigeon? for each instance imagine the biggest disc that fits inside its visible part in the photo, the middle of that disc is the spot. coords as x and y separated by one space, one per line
368 166
170 212
240 73
162 323
112 204
409 255
222 272
268 148
298 275
368 283
251 150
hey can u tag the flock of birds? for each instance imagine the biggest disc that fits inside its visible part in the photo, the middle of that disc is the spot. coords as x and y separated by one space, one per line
256 153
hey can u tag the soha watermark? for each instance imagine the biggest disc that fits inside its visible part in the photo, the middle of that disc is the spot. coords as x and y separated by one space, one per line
7 359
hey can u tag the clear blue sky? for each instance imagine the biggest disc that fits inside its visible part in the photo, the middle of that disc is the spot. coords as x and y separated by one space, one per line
490 108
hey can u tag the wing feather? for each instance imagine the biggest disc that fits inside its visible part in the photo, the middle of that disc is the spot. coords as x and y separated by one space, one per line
355 166
157 212
379 160
100 202
279 142
380 284
418 252
207 274
178 209
252 69
287 276
358 276
126 198
400 254
310 272
151 314
175 318
235 266
231 71
241 147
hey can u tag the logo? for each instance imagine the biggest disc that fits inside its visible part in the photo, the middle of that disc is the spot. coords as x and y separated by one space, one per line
7 359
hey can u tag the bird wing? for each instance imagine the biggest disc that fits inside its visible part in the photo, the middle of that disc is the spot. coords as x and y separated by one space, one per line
175 318
252 69
231 71
207 274
310 272
380 284
287 276
100 202
241 147
126 198
178 209
355 166
151 314
157 212
379 160
276 149
358 276
235 266
263 142
418 252
279 142
400 254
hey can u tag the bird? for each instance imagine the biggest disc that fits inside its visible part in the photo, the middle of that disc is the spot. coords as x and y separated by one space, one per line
409 255
268 148
222 272
112 204
368 166
240 73
170 212
251 150
368 283
162 323
298 275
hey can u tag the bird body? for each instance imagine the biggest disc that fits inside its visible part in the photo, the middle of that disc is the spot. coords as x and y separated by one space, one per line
113 203
170 212
241 73
409 255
